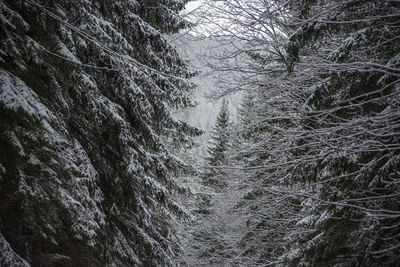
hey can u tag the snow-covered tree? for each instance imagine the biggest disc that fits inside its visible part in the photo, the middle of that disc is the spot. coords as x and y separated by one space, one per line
220 137
348 144
86 93
246 116
328 72
218 147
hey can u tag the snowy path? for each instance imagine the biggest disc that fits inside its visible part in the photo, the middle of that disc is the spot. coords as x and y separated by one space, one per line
212 239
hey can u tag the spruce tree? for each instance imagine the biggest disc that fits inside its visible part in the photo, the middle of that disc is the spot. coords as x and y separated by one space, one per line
220 142
246 113
220 137
348 133
86 93
326 182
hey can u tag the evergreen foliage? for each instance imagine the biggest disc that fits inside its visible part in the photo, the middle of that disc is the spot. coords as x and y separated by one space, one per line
86 92
353 118
220 137
324 161
218 146
246 114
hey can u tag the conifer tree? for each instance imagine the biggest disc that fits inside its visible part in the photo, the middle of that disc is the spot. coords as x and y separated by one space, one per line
246 115
326 183
218 147
86 93
220 137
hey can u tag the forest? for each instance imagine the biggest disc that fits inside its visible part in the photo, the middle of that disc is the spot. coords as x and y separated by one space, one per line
199 133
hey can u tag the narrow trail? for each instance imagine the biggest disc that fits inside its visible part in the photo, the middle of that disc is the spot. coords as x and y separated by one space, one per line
213 238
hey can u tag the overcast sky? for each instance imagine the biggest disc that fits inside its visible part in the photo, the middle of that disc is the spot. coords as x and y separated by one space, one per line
192 5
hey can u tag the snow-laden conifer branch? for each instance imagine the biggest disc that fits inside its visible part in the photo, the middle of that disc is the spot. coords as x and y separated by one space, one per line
321 135
89 174
123 58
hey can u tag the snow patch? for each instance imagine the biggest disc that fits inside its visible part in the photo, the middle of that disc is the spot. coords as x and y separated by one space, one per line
64 51
8 257
306 221
15 95
2 169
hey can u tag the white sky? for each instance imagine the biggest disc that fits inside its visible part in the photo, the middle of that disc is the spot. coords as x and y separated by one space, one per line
192 5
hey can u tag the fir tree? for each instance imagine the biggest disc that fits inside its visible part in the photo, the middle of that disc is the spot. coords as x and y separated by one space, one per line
219 145
326 182
220 137
246 112
86 93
